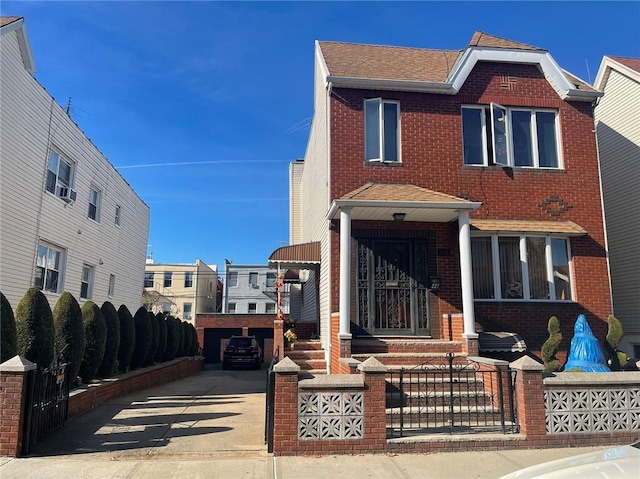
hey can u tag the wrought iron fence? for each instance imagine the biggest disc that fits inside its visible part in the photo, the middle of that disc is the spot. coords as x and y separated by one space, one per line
453 397
270 401
47 400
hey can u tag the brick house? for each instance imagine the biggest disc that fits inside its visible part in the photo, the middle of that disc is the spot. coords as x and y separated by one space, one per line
449 192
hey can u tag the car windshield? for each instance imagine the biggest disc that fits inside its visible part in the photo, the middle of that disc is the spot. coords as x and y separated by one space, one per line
240 342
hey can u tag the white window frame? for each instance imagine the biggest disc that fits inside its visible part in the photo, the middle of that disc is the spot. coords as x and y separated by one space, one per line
381 147
188 279
95 205
184 311
112 286
495 254
118 215
507 112
255 306
234 275
88 280
253 275
271 306
167 277
46 267
152 275
58 185
232 308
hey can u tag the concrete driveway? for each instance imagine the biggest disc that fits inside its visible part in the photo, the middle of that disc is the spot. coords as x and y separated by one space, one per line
211 412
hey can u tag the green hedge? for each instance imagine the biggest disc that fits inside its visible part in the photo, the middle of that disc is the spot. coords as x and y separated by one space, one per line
8 332
172 339
127 338
95 334
154 339
143 338
34 328
69 329
110 360
162 337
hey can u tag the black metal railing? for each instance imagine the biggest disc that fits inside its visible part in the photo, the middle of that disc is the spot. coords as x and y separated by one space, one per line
270 401
453 397
47 400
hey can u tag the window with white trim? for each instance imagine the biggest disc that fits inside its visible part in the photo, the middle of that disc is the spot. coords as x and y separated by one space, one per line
381 130
118 215
253 280
60 171
186 311
253 308
148 279
521 267
49 268
271 279
86 282
270 308
112 285
188 279
94 204
232 279
513 137
232 308
168 279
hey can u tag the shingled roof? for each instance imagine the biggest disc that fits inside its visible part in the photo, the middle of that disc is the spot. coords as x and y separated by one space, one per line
7 20
633 63
481 39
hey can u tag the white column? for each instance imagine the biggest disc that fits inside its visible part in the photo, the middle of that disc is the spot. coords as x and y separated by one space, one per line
464 240
345 274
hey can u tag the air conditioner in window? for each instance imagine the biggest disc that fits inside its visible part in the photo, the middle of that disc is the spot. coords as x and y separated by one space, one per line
255 286
67 194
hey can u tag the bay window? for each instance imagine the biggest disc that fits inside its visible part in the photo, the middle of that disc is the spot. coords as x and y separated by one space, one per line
519 267
513 137
382 130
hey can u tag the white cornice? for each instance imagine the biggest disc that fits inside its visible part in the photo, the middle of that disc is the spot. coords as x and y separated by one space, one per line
609 64
23 42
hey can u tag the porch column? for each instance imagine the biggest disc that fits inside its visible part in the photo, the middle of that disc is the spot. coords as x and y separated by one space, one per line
345 274
464 240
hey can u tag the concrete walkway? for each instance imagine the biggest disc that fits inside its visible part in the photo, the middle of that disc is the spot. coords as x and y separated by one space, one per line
211 425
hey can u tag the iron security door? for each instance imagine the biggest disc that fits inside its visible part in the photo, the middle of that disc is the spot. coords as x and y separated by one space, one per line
392 286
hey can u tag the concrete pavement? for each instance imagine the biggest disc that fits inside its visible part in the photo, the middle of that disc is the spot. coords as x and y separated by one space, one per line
211 425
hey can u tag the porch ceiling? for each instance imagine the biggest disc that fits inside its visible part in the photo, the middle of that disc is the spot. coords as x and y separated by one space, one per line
374 201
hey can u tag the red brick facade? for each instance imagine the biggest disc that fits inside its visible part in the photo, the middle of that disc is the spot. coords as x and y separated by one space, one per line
432 158
12 406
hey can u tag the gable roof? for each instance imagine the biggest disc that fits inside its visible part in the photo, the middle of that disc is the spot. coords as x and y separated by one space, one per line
400 193
633 63
354 65
624 65
16 24
7 20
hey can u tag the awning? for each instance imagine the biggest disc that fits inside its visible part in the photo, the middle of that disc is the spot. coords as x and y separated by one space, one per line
568 228
500 341
378 201
296 256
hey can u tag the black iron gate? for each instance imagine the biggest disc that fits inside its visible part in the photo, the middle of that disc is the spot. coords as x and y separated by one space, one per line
270 401
47 400
454 397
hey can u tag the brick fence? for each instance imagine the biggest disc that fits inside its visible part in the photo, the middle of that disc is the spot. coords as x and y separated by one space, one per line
13 384
345 414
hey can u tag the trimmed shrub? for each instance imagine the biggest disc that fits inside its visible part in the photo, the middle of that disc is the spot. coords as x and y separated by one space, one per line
551 346
186 330
180 335
172 339
8 333
154 339
143 338
618 360
195 345
127 338
110 360
95 336
162 337
34 328
69 329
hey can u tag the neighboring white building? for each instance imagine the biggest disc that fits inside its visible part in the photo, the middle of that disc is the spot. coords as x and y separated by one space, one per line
182 290
250 289
618 129
68 220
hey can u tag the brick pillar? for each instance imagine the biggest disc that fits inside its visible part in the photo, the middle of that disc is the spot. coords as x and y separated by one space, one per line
13 389
200 334
375 426
285 425
530 396
245 331
278 337
471 346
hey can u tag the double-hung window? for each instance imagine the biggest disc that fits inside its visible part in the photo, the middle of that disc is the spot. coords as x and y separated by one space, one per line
48 268
94 204
168 279
232 279
520 267
253 308
86 282
271 280
186 311
148 279
253 280
188 279
60 175
513 137
382 130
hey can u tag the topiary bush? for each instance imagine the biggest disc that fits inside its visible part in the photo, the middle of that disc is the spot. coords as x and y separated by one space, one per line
34 328
143 338
154 339
69 329
172 339
8 332
110 360
618 360
195 346
551 346
186 332
162 337
95 336
180 335
127 338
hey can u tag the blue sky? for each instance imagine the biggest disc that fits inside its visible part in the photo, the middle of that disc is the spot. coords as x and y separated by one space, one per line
227 87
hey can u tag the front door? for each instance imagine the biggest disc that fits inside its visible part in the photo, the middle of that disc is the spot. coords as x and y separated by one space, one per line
392 286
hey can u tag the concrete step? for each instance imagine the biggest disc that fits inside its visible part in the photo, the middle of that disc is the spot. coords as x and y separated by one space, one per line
306 354
306 344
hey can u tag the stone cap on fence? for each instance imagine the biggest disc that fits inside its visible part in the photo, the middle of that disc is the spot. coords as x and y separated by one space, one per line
372 365
286 366
333 381
17 364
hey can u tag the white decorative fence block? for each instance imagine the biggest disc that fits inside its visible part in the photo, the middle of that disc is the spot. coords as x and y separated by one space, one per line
571 411
330 415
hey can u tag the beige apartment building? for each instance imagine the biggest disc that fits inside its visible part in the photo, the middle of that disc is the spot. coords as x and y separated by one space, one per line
182 290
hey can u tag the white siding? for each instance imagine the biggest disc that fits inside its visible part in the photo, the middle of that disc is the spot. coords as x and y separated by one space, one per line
31 121
295 211
618 130
244 293
314 189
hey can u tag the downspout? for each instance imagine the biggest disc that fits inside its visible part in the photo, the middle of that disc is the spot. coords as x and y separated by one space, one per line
195 301
328 263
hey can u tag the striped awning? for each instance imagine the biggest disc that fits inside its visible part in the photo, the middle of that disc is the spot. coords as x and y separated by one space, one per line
500 341
296 255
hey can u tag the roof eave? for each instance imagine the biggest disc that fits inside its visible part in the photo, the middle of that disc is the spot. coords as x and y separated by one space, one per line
23 42
337 205
387 84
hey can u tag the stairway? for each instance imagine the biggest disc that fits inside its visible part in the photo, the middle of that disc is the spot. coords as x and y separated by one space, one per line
309 355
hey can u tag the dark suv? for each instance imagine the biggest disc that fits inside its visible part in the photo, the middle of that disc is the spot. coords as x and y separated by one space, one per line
242 350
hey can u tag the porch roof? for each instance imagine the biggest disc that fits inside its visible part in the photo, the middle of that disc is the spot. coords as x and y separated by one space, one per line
568 228
376 201
296 255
